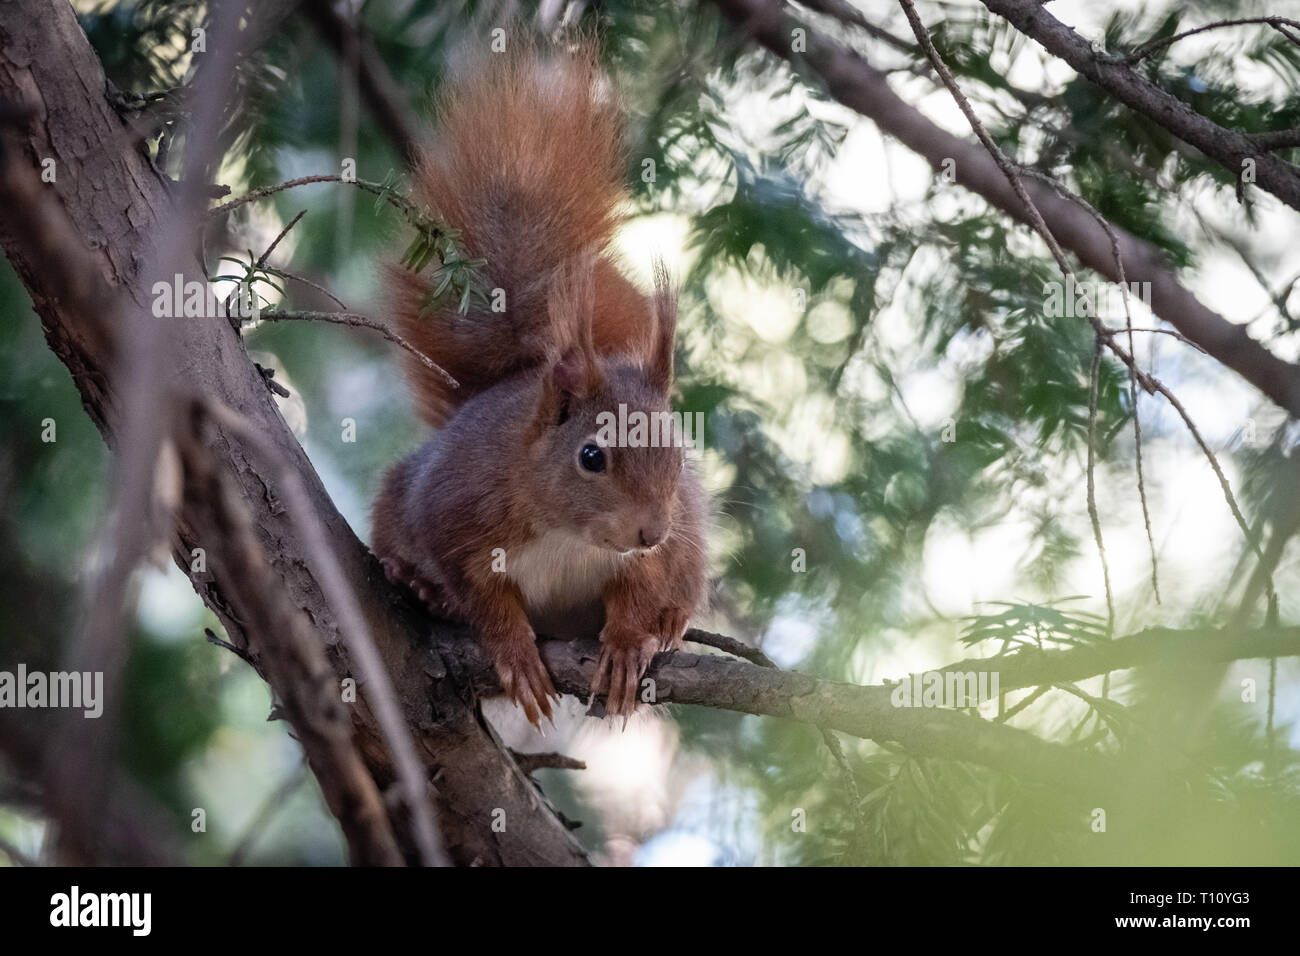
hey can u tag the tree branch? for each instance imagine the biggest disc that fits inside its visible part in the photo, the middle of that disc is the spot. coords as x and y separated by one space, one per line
433 677
355 48
855 83
867 712
1114 75
1280 24
358 321
361 646
287 651
114 201
1277 139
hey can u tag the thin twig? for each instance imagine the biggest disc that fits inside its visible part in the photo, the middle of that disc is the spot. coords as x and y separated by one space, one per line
286 274
389 195
1277 298
1137 445
261 260
1173 333
1252 538
529 763
1038 692
359 321
1132 373
860 827
1094 374
1148 381
752 654
237 651
923 37
1277 23
730 645
260 264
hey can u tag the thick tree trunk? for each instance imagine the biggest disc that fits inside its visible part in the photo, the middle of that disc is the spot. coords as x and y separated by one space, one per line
116 201
110 206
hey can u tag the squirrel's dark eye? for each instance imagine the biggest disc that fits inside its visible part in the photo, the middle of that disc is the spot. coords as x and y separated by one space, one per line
591 458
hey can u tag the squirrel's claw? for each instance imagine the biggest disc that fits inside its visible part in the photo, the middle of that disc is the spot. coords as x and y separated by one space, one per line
618 674
526 682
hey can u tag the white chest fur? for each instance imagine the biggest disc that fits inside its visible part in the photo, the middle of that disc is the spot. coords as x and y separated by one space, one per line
559 571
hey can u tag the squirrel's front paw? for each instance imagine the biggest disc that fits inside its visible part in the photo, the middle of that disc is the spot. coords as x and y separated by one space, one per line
523 676
624 657
672 626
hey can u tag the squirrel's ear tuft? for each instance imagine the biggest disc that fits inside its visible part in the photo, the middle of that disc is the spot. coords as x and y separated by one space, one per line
574 373
660 367
571 303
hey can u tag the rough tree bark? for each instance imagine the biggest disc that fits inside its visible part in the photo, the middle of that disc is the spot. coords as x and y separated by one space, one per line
116 200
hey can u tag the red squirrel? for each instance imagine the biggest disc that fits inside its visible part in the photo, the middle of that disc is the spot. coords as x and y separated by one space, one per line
513 517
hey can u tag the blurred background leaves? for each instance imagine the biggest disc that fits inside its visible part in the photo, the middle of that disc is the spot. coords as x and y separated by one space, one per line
883 393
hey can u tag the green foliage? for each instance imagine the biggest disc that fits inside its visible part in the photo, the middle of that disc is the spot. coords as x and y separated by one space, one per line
171 712
815 433
1030 625
455 278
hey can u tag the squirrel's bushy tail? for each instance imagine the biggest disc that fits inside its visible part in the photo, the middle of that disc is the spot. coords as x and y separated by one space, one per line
527 166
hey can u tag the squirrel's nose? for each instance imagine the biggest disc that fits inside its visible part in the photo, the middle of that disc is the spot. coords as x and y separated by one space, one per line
652 534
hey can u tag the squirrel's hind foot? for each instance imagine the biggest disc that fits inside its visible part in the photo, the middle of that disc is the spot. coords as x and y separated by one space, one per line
405 576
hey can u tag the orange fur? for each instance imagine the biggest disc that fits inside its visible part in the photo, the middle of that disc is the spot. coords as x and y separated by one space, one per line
528 169
496 520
